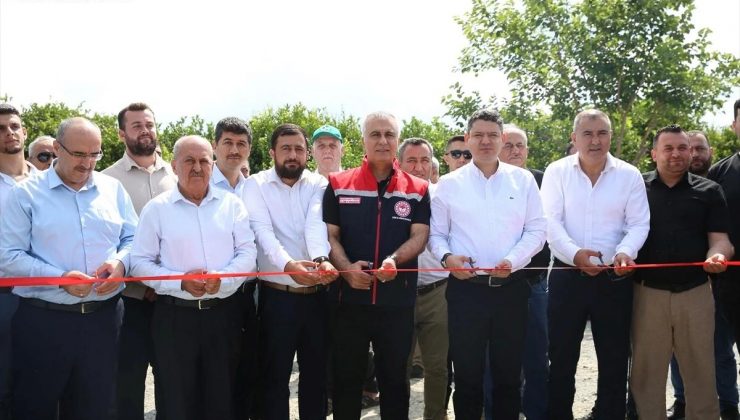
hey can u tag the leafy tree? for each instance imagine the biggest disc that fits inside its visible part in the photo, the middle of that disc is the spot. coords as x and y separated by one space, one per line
435 131
639 61
184 126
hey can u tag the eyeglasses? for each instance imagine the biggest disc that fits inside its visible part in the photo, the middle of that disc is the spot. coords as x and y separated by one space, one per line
44 157
457 153
79 155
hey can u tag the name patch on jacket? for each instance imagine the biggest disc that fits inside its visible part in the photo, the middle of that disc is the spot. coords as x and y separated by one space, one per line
349 200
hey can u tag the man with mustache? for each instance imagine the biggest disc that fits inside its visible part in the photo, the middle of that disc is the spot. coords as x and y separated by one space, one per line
41 152
13 169
701 153
598 215
285 213
197 323
378 219
68 221
144 175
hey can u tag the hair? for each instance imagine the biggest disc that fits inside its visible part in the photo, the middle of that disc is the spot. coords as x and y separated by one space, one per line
414 141
178 144
511 128
136 106
287 130
69 122
435 164
33 144
673 128
694 133
454 139
380 115
736 109
591 114
490 115
233 125
6 109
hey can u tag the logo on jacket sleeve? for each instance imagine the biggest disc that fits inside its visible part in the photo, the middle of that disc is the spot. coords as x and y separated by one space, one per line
402 208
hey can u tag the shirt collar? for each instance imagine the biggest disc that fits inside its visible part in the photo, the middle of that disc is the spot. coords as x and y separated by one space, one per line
55 181
272 176
129 163
654 177
611 162
212 194
218 177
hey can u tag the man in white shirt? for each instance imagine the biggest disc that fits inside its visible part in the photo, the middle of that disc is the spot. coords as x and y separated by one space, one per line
487 217
285 213
194 229
232 146
13 169
328 149
430 317
598 215
41 152
144 175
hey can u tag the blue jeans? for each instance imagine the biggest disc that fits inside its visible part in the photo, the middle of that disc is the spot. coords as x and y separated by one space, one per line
724 363
535 366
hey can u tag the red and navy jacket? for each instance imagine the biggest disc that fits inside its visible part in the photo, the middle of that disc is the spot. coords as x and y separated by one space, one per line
375 218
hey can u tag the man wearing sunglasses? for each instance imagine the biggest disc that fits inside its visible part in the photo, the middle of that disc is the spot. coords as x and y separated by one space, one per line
597 213
72 222
13 168
457 153
41 152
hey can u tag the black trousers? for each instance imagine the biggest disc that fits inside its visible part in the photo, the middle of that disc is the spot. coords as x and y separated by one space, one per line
246 379
574 298
481 316
136 353
390 330
64 363
197 353
289 324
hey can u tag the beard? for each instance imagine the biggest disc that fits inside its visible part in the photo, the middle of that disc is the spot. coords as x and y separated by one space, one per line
12 150
143 147
699 167
284 172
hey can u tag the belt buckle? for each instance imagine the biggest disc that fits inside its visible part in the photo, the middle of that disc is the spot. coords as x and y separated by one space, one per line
490 279
200 306
83 307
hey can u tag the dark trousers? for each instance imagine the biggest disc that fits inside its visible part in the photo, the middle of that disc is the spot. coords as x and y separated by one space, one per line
136 353
8 305
64 363
291 323
197 352
390 330
481 316
247 377
574 298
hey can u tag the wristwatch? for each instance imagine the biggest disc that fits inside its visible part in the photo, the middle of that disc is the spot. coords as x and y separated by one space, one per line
443 261
319 260
393 257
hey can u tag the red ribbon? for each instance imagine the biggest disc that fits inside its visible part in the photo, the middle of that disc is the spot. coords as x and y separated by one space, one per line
63 281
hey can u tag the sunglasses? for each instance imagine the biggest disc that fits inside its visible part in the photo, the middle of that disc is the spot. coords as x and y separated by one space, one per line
457 153
44 157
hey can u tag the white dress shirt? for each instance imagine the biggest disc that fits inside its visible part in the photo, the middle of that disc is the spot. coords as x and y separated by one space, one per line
287 221
612 216
218 179
7 183
176 236
428 260
488 219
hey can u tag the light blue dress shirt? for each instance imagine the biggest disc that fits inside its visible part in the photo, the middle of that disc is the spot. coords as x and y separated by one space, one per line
48 229
218 180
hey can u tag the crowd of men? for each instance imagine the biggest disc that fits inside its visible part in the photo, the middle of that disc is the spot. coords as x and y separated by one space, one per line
493 269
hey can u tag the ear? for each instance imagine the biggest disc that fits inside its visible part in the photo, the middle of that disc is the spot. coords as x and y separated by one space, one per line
272 154
653 153
174 168
121 135
573 137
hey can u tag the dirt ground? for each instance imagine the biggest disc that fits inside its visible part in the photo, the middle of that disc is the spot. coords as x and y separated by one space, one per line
585 389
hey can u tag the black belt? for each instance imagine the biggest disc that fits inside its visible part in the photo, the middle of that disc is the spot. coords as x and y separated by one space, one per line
673 288
308 290
423 290
199 304
79 308
5 290
491 281
248 287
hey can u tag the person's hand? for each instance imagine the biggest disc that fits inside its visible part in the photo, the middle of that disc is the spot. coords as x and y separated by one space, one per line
387 270
109 269
212 286
459 261
717 263
328 273
623 264
502 269
582 260
300 272
195 287
358 279
77 290
150 295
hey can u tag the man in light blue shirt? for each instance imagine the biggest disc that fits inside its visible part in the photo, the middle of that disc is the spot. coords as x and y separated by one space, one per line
68 221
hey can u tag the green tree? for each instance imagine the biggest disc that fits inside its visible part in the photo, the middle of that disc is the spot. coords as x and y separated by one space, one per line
183 126
639 61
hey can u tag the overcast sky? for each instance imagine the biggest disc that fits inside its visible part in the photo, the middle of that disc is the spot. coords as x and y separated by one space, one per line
218 58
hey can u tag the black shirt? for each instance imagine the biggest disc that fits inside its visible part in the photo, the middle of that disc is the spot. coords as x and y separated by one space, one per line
726 173
680 219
